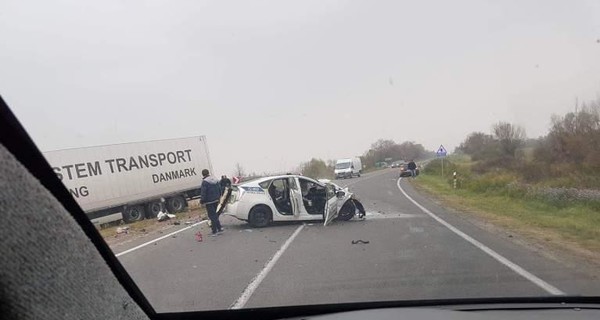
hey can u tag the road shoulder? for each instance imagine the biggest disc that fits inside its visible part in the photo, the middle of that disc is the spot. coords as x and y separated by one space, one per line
548 244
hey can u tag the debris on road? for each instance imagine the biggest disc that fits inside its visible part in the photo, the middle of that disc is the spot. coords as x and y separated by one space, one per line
162 216
122 230
176 223
198 236
247 230
359 241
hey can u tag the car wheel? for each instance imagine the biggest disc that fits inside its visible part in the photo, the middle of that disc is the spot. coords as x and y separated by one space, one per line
260 216
176 204
152 209
133 213
346 212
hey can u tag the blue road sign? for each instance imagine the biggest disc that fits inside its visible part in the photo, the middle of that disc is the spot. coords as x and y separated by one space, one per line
441 152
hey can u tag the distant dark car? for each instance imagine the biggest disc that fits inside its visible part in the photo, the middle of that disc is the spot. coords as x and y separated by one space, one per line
404 172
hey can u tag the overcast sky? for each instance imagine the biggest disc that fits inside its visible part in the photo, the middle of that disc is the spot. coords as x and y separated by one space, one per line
274 83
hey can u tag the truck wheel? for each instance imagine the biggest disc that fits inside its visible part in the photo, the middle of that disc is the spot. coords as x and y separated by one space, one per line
347 211
176 204
133 213
152 209
260 216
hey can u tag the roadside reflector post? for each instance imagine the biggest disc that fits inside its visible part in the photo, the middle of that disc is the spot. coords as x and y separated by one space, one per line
454 175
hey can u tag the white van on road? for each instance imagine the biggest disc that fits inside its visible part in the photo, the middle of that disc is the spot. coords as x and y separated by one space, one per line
348 168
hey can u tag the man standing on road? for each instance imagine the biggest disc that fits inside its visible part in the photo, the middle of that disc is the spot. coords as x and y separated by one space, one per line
412 167
210 193
225 183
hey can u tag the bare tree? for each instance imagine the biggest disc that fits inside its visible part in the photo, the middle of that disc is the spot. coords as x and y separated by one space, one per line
510 137
239 170
479 146
316 168
575 137
331 164
383 144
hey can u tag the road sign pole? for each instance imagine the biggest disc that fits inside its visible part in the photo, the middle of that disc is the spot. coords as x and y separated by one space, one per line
442 167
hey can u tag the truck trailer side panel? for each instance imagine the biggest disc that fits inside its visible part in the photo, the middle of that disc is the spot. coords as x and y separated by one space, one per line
114 175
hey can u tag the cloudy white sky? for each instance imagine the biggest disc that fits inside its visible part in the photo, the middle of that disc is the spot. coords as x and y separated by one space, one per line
274 83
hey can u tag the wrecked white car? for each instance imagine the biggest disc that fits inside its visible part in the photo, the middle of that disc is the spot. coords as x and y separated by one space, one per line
289 198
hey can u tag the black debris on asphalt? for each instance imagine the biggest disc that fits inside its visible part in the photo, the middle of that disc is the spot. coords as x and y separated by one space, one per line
359 241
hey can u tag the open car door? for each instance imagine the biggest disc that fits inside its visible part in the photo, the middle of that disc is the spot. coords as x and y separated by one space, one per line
331 207
224 199
295 198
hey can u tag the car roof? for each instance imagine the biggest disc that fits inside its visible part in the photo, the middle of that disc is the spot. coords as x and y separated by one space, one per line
263 179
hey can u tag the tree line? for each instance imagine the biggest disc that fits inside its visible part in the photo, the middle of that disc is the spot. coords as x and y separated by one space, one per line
570 148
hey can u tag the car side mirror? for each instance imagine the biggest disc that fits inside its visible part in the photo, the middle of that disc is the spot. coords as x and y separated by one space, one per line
340 194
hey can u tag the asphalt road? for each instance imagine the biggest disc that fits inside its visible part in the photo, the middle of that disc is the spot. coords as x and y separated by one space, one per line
415 250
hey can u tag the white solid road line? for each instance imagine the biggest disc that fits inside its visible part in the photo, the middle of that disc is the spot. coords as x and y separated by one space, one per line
514 267
243 299
158 239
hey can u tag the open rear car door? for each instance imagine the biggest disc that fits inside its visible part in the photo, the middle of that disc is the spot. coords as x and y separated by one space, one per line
331 206
224 199
295 196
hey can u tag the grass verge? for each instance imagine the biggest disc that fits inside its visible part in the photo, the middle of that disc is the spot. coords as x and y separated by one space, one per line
573 227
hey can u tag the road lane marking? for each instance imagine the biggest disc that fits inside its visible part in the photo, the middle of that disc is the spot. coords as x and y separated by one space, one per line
243 299
513 266
158 239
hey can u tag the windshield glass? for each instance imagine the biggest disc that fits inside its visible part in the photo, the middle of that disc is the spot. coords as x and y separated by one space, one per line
343 165
159 116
